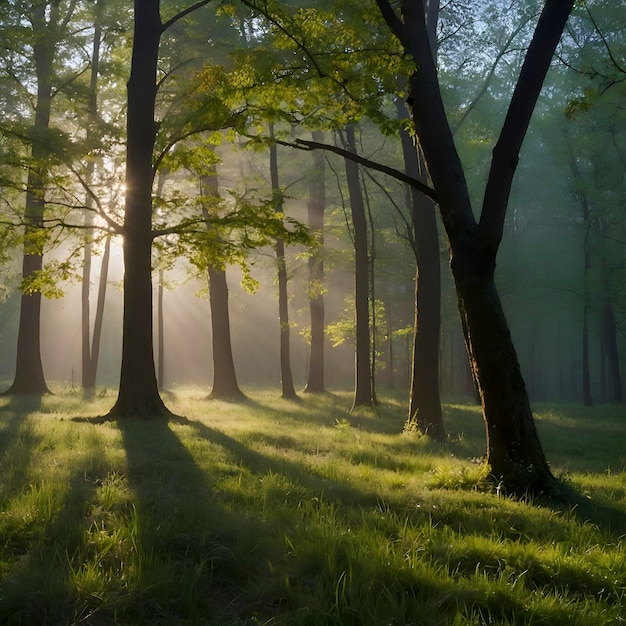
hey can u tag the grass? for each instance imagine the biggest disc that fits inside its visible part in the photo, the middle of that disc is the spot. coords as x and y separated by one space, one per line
273 512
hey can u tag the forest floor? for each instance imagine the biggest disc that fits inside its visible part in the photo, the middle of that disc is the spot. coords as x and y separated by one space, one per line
276 512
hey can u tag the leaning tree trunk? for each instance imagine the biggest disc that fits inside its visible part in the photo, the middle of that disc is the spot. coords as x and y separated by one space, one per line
138 392
514 452
316 207
89 380
29 376
609 341
362 384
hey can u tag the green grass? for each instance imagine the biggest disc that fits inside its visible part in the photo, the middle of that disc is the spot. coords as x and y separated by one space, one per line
273 512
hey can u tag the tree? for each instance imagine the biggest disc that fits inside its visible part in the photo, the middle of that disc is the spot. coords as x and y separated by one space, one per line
138 391
362 374
225 385
315 208
48 22
90 343
286 378
514 452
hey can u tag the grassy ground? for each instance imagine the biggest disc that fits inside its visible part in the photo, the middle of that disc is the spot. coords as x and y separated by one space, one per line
274 512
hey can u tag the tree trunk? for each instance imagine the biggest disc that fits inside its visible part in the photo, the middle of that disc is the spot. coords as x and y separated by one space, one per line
362 391
160 333
424 396
514 452
225 386
89 363
586 376
315 208
389 324
372 296
288 390
586 215
90 374
609 341
29 376
138 392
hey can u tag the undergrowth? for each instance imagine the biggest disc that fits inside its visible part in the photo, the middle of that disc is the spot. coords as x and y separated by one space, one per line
276 512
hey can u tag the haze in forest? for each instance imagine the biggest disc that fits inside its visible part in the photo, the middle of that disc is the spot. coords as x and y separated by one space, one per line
428 200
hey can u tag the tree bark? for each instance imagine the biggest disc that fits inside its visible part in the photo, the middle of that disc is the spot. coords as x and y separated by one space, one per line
362 385
90 349
138 393
89 380
609 341
225 386
424 395
372 296
286 378
514 452
315 211
29 376
160 333
586 216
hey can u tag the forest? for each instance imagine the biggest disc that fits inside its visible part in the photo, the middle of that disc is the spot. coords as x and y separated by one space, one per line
225 224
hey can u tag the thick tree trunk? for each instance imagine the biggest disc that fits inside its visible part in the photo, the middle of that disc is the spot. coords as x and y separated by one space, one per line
514 452
29 376
138 392
286 378
315 209
225 385
424 396
362 387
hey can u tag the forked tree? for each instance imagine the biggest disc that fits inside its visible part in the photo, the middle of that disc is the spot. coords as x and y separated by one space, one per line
514 451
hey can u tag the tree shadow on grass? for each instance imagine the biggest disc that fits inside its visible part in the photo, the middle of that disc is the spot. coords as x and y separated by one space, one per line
185 565
598 509
48 548
18 440
319 485
329 409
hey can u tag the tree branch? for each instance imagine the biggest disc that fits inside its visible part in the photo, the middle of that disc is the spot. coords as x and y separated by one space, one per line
527 89
483 89
182 14
616 63
393 21
303 144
